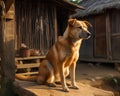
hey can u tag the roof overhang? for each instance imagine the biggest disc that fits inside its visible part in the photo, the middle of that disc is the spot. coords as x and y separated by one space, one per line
69 5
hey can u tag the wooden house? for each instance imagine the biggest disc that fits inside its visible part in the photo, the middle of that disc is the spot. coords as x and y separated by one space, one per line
104 45
36 24
39 22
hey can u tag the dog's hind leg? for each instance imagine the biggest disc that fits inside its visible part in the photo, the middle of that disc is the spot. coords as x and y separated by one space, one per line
47 79
51 78
41 80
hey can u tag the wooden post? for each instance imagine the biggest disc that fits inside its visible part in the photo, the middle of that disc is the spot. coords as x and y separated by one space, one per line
7 56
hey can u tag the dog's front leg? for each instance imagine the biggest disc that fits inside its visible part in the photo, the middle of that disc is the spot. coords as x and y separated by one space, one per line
72 75
62 76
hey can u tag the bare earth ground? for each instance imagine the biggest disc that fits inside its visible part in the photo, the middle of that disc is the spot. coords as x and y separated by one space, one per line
87 76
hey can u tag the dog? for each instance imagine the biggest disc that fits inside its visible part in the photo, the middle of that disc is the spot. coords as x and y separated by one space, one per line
61 59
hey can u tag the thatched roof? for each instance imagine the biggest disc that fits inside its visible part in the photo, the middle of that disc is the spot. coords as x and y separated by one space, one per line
96 6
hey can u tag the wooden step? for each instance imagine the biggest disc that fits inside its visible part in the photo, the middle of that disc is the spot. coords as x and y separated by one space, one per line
26 65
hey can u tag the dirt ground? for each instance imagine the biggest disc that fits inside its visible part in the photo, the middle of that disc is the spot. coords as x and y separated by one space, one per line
92 80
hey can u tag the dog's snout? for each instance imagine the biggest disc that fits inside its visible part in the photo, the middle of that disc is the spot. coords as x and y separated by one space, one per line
88 34
85 35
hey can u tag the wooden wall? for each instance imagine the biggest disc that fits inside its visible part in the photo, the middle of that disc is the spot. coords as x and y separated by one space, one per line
104 43
36 24
115 33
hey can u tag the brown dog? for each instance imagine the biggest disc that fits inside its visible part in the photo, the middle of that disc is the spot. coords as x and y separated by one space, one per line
63 55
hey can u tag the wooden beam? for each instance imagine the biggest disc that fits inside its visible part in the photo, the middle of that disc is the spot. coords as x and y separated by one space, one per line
7 56
69 5
8 3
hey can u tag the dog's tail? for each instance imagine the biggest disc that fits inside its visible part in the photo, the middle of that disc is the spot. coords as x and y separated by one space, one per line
26 78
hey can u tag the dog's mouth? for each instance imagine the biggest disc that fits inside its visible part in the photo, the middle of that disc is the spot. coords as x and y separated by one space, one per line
88 37
85 35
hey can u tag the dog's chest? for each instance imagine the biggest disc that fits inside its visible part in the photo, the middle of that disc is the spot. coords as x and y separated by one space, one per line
70 53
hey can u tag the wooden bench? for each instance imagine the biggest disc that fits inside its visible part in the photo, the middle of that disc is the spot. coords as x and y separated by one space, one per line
26 64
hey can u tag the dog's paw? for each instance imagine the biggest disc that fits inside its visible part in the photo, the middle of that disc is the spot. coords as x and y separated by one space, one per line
51 84
66 89
75 87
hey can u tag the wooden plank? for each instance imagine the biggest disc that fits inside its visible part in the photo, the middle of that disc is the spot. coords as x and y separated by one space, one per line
116 35
28 73
31 57
32 65
100 37
84 90
108 37
102 60
55 24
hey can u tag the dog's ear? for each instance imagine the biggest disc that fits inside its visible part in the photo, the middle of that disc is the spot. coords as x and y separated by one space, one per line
88 23
71 22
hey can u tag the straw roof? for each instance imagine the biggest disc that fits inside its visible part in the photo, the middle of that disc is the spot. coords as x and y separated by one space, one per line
96 6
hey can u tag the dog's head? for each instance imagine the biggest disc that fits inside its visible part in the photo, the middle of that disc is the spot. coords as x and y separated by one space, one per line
78 29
